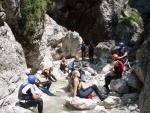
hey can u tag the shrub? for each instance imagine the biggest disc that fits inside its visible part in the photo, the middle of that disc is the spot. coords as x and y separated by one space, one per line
31 13
133 16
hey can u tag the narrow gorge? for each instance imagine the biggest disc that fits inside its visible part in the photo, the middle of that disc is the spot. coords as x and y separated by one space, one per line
37 34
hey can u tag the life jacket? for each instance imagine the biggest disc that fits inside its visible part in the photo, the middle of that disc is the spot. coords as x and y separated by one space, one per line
121 66
22 96
83 47
43 71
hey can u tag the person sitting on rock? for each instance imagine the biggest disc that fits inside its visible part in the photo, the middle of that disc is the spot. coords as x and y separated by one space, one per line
63 65
28 95
115 71
83 93
48 74
76 64
43 85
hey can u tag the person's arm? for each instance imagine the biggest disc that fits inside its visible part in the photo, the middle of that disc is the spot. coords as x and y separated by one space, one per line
125 54
71 65
34 92
36 96
112 69
66 63
76 82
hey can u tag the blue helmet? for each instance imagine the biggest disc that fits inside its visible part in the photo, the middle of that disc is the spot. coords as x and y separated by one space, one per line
31 79
121 44
91 41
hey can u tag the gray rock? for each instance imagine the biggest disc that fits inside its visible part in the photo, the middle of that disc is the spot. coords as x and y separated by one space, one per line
132 107
71 44
111 102
81 104
119 85
12 65
129 98
132 80
142 72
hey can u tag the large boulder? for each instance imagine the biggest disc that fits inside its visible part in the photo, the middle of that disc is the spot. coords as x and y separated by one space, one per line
132 80
12 65
112 102
119 86
142 70
80 103
51 43
103 52
129 98
71 44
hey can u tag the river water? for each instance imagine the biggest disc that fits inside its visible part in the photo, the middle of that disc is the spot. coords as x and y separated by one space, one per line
57 104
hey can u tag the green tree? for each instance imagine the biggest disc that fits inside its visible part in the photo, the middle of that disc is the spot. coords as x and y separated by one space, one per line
31 13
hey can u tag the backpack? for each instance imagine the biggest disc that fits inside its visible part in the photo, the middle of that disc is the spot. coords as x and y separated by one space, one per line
22 96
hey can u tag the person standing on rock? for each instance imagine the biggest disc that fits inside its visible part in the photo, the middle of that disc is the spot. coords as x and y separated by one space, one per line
122 52
76 64
83 50
115 71
29 96
91 47
83 93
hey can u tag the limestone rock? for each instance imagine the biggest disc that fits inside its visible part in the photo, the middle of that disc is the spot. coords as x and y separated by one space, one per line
111 102
119 85
129 98
132 81
100 109
12 61
80 103
71 44
142 71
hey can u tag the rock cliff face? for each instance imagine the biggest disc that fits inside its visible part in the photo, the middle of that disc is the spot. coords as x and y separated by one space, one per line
56 42
93 19
12 63
103 19
142 70
12 10
76 14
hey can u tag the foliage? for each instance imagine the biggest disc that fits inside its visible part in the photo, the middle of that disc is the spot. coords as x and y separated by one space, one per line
31 13
133 16
1 1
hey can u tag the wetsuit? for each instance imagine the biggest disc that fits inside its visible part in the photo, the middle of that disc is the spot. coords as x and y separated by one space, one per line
30 90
